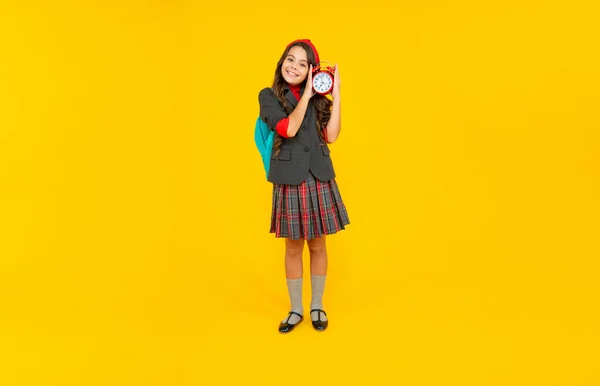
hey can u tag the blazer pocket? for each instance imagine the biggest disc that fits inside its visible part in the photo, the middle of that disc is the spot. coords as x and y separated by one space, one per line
284 155
325 151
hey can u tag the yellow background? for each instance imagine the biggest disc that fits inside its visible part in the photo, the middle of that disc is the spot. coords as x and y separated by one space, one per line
134 211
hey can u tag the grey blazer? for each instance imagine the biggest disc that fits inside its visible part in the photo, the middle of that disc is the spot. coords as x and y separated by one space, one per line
301 153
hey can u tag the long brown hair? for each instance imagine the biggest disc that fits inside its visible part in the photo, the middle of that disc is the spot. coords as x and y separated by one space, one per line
321 102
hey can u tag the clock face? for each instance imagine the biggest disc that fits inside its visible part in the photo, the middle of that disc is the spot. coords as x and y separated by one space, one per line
322 82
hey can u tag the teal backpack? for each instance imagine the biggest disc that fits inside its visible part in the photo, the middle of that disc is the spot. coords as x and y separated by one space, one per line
263 137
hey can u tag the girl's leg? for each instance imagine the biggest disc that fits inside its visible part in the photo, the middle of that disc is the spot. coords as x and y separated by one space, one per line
318 274
293 273
293 258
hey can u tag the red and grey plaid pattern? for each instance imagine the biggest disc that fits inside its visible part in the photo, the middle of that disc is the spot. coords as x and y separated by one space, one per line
308 210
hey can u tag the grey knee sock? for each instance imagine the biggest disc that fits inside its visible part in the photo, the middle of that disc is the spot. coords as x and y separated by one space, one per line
295 291
317 284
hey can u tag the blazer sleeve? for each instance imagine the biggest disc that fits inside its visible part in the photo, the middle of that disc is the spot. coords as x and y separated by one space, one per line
271 111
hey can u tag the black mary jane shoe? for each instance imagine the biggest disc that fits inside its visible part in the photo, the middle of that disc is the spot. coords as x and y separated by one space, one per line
319 325
285 327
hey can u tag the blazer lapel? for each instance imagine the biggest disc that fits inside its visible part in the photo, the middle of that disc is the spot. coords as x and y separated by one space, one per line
289 95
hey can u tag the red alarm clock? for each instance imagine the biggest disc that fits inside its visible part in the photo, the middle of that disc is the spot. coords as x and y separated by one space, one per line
322 79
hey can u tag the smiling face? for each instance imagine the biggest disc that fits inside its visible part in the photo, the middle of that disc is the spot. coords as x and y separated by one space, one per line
295 66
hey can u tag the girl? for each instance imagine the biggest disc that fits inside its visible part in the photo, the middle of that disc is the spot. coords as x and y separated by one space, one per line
307 204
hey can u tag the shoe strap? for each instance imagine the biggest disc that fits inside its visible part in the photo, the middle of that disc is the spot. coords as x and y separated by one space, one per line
319 313
290 315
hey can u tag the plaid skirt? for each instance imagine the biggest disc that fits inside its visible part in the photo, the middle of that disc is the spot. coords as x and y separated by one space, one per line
309 210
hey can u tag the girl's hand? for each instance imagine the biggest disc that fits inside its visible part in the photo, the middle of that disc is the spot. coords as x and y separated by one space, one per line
308 89
335 93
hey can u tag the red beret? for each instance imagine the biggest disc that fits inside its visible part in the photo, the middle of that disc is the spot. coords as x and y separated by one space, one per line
315 53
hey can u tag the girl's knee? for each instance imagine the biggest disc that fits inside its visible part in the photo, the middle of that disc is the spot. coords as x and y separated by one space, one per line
316 246
294 247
